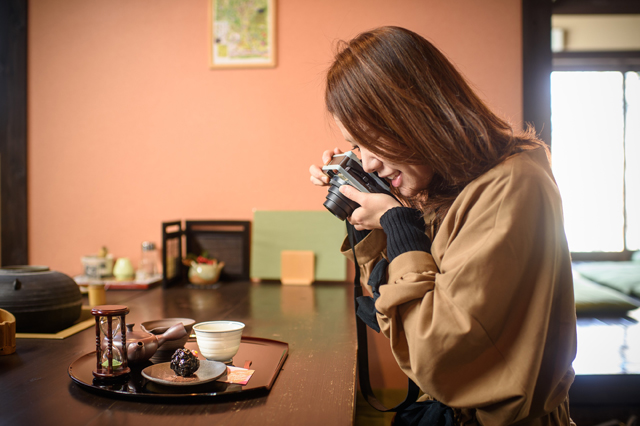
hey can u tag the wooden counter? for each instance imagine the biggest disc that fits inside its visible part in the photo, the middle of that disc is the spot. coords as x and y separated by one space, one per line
315 387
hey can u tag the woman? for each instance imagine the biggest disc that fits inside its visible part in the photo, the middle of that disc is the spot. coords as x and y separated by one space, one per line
477 300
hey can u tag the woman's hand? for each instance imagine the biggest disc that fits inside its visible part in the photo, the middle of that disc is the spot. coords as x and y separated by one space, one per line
317 175
372 207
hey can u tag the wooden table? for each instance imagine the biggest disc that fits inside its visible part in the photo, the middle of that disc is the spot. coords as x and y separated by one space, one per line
315 387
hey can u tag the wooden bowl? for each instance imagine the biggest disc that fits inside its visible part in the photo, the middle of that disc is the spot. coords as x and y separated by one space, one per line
7 332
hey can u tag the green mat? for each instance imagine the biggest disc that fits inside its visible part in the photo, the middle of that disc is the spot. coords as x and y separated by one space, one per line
318 231
593 298
621 276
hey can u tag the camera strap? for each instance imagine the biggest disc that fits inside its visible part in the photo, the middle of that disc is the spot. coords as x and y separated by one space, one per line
362 350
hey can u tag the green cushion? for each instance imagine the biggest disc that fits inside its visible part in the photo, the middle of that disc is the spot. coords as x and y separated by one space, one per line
621 276
593 298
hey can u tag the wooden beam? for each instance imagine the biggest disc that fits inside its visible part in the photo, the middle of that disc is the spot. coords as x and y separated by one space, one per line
13 132
595 7
536 66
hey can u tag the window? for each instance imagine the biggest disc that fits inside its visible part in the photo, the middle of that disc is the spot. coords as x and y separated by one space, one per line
595 145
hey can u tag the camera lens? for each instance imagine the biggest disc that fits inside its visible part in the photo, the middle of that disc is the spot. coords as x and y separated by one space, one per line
338 204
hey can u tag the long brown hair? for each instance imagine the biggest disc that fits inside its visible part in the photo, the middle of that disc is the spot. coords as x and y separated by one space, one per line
400 98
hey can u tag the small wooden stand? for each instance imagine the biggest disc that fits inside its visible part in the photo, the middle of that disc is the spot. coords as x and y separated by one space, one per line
297 267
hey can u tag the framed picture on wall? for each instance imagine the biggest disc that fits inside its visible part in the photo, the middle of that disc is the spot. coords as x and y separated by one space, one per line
242 33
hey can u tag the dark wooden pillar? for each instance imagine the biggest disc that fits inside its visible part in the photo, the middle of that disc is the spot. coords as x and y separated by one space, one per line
536 66
13 132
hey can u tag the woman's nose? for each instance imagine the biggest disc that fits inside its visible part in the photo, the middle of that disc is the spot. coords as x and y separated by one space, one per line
370 163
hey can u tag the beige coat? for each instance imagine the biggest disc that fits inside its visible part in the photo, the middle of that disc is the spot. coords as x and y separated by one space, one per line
487 321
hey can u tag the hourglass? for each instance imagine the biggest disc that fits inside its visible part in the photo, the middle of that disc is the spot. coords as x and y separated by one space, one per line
111 362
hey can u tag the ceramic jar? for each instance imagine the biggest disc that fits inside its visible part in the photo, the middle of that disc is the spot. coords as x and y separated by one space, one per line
203 273
97 266
42 301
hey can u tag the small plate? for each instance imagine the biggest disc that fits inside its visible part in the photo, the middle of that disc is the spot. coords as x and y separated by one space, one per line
163 374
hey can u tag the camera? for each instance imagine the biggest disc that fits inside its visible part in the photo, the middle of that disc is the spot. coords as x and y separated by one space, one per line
346 169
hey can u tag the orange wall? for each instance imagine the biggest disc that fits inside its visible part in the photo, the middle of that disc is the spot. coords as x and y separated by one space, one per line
128 127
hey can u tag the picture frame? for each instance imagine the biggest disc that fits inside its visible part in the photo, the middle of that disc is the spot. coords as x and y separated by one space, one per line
242 34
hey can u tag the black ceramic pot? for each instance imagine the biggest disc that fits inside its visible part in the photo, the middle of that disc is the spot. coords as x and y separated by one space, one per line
43 301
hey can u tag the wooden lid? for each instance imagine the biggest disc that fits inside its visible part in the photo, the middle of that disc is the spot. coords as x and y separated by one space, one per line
109 310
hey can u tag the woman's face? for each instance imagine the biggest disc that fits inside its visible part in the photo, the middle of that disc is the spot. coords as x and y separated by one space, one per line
409 179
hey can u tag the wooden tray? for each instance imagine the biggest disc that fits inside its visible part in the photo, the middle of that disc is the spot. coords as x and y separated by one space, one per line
266 356
112 284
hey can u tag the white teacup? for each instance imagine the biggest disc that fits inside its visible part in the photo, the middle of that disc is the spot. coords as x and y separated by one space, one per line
219 340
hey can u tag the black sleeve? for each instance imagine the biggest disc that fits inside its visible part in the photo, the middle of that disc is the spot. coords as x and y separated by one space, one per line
405 229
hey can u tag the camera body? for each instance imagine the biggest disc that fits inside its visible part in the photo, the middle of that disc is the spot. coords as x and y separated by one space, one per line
346 169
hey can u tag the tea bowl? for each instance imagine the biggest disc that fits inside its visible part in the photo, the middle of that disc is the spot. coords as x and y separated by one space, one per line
219 340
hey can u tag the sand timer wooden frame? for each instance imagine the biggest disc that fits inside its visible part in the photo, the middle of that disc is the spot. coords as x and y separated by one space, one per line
111 362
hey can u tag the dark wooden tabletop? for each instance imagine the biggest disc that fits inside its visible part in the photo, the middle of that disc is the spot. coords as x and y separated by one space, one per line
315 387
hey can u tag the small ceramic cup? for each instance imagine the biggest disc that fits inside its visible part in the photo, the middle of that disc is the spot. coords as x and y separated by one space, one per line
97 294
123 269
219 340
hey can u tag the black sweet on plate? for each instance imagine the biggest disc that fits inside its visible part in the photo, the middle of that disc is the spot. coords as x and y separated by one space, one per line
184 362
